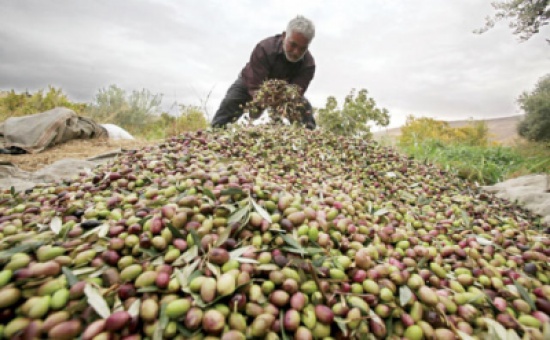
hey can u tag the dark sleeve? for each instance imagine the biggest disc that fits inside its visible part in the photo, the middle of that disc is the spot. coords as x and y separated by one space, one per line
257 70
304 77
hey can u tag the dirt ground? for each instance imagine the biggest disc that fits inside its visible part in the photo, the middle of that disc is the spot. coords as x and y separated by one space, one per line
76 148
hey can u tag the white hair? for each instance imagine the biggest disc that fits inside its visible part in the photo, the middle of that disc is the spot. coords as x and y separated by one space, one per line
301 25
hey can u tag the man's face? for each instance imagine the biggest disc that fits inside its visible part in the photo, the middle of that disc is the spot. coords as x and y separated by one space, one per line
295 46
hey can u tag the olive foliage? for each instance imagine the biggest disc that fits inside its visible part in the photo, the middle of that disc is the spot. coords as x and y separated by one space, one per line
536 105
353 118
526 17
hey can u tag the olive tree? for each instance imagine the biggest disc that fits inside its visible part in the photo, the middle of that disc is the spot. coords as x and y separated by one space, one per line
134 112
354 117
526 17
536 105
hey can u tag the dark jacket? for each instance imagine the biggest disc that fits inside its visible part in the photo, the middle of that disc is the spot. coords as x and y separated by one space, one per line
268 61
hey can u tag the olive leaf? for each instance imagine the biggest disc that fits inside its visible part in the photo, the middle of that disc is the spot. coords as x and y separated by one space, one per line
150 252
103 230
215 269
246 260
423 200
232 191
422 262
208 193
318 262
99 271
407 196
239 215
496 330
463 336
223 236
71 278
84 271
294 250
239 252
148 289
228 207
265 215
545 330
185 332
466 219
175 232
341 323
159 261
117 305
134 308
183 275
389 327
281 321
163 322
381 212
512 335
483 241
195 236
96 300
187 257
405 295
292 242
524 294
23 248
194 275
56 224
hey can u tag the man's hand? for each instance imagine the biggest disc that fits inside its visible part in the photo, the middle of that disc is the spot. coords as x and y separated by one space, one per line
310 126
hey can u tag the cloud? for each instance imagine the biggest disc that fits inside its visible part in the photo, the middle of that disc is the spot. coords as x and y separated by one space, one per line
415 57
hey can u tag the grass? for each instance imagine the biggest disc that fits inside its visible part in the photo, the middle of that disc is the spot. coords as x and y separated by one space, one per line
486 165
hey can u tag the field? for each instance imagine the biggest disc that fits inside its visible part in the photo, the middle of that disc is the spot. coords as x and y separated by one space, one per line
76 148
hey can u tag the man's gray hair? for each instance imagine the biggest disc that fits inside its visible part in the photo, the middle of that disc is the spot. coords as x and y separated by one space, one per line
301 25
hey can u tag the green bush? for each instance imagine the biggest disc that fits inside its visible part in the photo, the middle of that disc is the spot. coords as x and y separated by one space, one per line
135 112
354 117
14 104
419 130
190 118
536 124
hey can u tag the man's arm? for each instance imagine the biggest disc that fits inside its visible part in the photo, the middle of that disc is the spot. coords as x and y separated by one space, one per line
257 70
303 78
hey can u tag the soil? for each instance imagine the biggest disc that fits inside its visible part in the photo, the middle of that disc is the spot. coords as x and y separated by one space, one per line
76 149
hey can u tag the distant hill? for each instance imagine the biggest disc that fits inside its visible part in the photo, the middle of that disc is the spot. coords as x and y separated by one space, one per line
501 130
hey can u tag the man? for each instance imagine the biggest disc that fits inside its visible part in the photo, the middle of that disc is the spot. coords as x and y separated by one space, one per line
283 56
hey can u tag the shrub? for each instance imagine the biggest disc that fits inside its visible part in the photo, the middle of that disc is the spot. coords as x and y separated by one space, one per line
354 117
419 130
14 104
135 112
536 124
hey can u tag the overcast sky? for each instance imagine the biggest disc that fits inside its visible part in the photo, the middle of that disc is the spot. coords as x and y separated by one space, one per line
415 57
